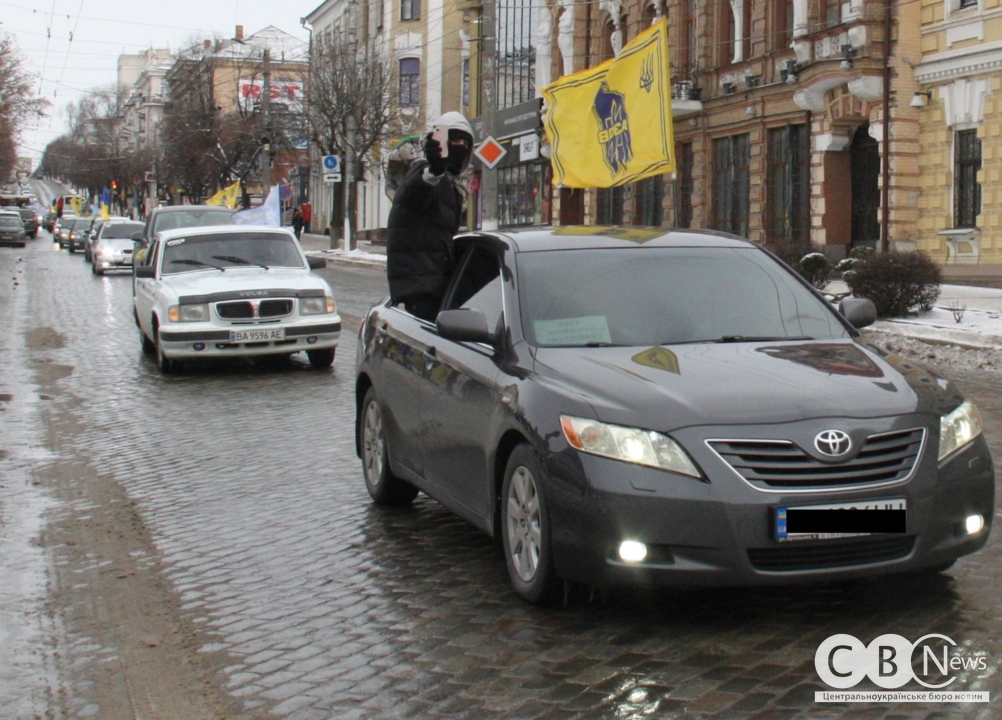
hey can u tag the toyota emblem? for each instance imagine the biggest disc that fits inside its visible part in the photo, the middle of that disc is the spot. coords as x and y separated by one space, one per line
833 443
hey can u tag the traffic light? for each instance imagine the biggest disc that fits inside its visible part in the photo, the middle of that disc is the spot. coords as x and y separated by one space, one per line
114 184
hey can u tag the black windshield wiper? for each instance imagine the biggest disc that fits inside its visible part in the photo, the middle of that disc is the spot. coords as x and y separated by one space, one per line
238 260
760 338
598 343
196 262
739 339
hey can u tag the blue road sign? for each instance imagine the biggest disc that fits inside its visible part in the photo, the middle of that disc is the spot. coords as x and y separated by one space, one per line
332 163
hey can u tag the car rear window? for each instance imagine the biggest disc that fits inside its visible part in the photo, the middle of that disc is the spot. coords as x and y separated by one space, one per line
663 296
9 222
192 218
121 231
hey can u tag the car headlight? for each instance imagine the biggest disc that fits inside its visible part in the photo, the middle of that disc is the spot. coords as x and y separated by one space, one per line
316 305
632 445
188 313
958 428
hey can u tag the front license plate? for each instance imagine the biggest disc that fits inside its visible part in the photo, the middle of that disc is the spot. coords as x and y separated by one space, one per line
840 520
263 335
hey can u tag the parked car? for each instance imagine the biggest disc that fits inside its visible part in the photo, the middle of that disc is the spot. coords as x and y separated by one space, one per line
232 291
30 221
633 406
12 229
113 247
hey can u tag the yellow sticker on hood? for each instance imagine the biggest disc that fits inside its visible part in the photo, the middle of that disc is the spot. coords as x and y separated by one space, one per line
658 358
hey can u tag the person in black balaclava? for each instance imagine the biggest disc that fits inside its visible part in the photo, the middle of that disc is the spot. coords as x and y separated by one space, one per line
426 213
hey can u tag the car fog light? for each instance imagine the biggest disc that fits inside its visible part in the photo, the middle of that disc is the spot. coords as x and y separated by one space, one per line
311 340
199 346
974 524
632 551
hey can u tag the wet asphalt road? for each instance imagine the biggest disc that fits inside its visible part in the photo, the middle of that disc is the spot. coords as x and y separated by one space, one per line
313 603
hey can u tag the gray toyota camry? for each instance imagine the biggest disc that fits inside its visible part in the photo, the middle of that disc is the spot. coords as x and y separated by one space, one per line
637 406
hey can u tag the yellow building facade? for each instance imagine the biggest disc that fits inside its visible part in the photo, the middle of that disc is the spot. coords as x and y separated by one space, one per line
959 80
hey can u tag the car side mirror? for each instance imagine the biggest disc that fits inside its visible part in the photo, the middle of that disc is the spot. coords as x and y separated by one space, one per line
316 263
860 312
464 326
138 237
145 271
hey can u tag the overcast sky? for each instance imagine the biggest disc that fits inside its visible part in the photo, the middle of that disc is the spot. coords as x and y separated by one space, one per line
72 46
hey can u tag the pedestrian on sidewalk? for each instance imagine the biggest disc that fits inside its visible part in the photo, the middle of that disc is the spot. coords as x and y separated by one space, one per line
297 222
426 213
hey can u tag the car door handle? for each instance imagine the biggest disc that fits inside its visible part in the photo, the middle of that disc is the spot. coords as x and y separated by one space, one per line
431 356
381 334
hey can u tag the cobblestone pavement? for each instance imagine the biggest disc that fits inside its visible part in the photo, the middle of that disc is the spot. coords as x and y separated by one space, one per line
309 602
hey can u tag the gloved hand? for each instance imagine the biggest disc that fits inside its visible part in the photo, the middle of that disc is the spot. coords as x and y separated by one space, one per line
433 151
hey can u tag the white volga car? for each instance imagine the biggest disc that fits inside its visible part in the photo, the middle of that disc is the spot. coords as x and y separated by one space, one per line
232 290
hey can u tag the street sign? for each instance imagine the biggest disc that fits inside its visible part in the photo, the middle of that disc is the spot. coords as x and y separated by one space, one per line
332 164
332 177
528 147
490 152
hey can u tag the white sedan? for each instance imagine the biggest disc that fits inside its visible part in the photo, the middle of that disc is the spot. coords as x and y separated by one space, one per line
225 291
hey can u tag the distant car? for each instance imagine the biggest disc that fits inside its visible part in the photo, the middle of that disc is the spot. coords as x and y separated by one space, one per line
232 291
658 407
12 229
30 220
77 232
63 227
172 217
113 247
49 221
93 231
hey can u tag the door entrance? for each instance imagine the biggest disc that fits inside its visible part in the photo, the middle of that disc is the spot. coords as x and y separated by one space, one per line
865 188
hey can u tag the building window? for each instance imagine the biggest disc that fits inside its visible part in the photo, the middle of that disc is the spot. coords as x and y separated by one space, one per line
516 56
610 206
524 194
410 9
966 189
833 12
731 184
728 40
650 196
784 24
410 81
690 55
964 4
787 185
685 186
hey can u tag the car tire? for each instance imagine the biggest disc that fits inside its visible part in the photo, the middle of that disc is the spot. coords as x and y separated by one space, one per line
321 358
167 366
93 269
148 346
384 487
525 528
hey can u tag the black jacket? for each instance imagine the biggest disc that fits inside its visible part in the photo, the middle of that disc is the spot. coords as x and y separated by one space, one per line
422 222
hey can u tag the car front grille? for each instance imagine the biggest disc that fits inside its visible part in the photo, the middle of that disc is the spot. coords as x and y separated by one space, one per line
244 309
780 465
825 554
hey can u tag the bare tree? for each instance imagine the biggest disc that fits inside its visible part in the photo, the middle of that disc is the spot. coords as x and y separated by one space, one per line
18 103
350 111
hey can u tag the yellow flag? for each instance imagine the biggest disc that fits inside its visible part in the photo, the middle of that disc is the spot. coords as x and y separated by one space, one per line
611 125
228 196
77 204
105 211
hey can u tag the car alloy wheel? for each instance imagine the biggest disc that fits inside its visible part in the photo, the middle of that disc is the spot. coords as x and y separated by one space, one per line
384 487
525 533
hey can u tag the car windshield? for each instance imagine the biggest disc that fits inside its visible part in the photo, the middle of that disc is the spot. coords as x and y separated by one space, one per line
9 222
236 249
81 223
192 218
663 296
120 231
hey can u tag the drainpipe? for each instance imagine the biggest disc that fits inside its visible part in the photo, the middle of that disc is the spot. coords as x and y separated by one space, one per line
886 169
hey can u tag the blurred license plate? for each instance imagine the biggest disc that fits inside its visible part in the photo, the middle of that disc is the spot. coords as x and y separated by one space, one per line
840 520
241 336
